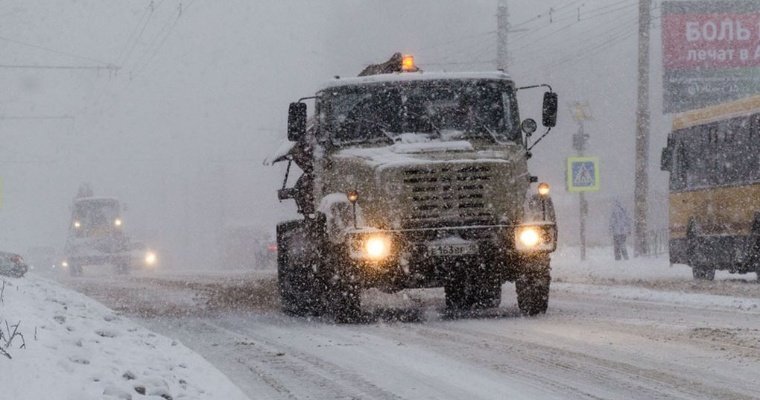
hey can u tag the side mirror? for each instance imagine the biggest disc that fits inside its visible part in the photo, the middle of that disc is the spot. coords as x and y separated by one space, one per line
296 121
529 126
550 109
666 159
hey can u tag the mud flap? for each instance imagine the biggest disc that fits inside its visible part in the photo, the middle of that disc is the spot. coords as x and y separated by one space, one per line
473 286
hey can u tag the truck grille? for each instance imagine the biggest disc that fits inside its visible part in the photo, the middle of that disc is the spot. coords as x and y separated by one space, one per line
448 196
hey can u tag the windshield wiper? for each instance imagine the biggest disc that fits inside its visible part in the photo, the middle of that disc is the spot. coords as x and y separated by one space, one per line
427 117
488 130
373 123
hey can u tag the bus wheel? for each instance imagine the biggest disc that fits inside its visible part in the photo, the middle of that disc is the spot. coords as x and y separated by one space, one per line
703 273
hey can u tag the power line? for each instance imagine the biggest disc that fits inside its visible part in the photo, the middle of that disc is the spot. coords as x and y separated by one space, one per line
67 67
63 53
137 71
614 39
135 36
591 14
587 38
547 13
617 24
36 117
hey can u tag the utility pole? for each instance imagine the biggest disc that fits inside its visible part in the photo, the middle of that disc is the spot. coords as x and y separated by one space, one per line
581 112
502 30
641 188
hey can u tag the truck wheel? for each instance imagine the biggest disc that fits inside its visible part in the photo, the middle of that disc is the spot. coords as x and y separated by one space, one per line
344 299
703 272
533 290
300 289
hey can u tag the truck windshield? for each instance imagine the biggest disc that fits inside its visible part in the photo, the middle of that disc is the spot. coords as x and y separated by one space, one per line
96 214
437 109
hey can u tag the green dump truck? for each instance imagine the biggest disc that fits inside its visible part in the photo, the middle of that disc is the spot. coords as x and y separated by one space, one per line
413 179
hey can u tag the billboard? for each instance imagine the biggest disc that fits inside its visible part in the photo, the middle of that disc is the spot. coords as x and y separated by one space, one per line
711 52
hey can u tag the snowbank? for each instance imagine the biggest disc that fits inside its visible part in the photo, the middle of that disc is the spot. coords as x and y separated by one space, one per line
75 348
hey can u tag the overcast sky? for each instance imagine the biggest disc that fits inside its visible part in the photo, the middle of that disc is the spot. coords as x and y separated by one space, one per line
180 131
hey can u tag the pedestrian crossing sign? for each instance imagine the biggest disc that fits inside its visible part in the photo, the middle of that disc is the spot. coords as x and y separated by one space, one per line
583 174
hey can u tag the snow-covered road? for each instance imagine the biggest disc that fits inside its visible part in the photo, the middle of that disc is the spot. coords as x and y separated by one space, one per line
605 336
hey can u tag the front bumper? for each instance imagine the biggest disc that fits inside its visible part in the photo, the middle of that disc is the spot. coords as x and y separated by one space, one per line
415 258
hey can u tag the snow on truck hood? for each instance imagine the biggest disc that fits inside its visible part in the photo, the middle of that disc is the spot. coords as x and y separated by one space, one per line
402 154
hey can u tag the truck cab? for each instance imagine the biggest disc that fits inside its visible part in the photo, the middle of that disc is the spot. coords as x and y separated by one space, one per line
414 179
96 237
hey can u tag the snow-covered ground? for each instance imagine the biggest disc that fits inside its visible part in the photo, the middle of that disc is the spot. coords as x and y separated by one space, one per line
629 329
71 347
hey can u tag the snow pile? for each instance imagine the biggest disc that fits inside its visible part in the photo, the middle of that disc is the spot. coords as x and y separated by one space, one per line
651 279
75 348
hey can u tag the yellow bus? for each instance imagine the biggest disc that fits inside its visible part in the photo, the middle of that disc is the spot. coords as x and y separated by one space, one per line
713 156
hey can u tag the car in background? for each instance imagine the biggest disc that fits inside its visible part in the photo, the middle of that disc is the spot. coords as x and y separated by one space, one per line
12 265
41 258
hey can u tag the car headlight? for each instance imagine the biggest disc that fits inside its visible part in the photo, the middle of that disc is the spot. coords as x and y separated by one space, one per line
65 264
151 259
535 238
117 222
375 247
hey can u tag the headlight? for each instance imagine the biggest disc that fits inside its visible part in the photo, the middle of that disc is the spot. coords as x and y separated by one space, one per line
77 224
117 222
375 247
529 237
150 259
65 264
543 189
536 238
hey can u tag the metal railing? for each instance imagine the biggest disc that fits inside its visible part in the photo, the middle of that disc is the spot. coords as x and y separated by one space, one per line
656 242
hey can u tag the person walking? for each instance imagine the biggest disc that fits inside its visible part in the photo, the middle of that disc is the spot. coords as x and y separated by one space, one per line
620 228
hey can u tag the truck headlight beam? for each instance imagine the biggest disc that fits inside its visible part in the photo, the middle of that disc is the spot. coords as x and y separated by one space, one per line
529 237
377 247
151 259
373 247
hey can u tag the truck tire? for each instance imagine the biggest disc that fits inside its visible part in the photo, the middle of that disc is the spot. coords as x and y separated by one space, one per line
301 292
344 298
532 288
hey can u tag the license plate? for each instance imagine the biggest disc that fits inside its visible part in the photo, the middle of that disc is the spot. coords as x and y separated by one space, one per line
453 249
